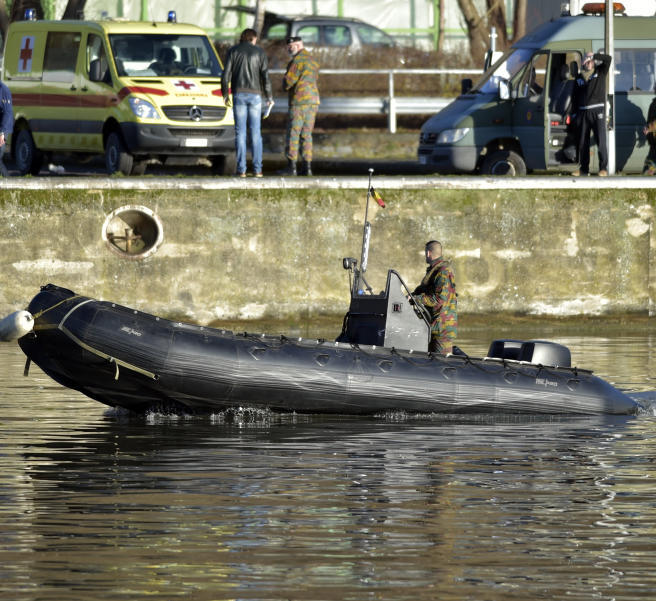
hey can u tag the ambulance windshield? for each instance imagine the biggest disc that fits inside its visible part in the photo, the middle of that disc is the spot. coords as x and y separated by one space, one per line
504 69
157 55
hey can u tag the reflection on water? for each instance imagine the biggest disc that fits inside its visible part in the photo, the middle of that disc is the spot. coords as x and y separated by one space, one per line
97 504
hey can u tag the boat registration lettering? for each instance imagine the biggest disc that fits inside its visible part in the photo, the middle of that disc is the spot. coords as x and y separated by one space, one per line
545 382
130 331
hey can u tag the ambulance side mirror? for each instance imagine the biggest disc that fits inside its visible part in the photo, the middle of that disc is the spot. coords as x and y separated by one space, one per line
95 73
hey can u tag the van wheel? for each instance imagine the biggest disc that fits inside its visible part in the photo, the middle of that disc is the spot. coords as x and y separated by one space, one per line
28 157
117 158
224 164
503 162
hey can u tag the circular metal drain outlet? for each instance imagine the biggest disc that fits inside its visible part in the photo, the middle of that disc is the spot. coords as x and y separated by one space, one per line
133 232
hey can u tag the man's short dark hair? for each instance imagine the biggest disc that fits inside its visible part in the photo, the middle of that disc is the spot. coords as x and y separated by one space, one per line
433 244
248 35
294 38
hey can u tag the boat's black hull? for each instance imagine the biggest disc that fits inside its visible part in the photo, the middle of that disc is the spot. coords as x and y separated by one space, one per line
130 359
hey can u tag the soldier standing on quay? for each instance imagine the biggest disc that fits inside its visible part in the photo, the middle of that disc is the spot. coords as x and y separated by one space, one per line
300 82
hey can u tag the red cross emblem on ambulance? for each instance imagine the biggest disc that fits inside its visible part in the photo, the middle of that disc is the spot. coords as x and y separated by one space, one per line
25 54
185 85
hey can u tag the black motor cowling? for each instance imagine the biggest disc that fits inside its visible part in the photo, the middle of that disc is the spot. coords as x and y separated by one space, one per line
538 352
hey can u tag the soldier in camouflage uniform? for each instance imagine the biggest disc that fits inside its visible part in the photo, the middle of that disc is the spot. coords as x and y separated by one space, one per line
437 292
300 82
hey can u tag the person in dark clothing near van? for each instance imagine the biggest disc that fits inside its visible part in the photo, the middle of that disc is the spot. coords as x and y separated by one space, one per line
246 74
591 97
650 131
6 123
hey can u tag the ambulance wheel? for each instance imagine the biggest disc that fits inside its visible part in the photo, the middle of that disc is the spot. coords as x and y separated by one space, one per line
224 164
117 158
28 158
503 162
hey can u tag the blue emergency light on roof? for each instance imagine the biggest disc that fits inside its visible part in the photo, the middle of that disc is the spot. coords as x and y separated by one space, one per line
30 14
172 18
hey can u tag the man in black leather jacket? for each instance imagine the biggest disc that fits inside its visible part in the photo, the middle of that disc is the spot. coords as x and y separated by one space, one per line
246 76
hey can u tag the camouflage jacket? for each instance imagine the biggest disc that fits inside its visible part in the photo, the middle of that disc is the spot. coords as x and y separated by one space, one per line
437 293
300 80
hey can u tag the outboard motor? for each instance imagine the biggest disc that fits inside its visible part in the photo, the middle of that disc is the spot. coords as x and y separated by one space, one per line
538 352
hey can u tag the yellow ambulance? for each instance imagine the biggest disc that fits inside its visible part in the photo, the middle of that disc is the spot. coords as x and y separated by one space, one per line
133 91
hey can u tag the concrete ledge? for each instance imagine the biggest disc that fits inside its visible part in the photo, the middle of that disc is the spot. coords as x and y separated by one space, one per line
402 182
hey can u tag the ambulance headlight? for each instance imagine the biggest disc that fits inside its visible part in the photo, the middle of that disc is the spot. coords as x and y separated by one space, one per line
450 136
143 109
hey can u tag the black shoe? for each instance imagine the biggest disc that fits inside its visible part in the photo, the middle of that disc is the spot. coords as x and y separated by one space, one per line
307 168
290 169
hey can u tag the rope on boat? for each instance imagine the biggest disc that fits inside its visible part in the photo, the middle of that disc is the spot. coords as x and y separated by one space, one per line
109 358
86 346
61 302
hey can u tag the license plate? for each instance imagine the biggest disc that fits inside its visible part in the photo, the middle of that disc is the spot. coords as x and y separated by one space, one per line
195 142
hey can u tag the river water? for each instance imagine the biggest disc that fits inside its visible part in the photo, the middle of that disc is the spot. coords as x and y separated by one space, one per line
99 505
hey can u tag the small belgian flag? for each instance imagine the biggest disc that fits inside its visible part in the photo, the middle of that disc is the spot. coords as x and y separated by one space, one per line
377 197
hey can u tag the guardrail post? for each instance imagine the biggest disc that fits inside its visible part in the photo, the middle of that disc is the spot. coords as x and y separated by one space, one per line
391 103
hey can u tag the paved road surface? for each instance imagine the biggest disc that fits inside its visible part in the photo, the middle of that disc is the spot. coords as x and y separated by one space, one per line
70 166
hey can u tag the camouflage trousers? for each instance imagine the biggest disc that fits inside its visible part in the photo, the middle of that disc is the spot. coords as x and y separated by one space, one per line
440 344
300 123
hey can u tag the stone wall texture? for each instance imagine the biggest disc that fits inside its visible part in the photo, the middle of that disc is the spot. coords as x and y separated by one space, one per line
273 250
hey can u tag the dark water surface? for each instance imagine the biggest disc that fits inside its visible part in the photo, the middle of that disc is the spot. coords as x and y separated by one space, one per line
95 504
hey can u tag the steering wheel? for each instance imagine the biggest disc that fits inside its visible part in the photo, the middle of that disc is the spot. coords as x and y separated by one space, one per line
420 311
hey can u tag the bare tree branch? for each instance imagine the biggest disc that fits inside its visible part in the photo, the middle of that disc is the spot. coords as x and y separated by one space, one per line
496 17
477 31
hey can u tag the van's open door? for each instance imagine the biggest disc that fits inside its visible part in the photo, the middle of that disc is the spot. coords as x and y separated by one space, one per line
530 111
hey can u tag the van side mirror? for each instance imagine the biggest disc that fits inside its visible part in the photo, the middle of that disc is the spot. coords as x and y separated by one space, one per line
466 85
95 71
504 89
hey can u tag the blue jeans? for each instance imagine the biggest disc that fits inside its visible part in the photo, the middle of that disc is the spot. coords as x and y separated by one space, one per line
247 108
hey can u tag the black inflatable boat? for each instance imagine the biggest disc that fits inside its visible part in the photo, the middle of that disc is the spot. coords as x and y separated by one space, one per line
125 358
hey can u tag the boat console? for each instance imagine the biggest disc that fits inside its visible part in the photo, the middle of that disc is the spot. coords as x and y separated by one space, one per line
390 319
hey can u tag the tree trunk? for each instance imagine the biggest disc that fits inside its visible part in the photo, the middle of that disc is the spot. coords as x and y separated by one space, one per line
477 31
74 9
440 27
258 23
4 20
519 21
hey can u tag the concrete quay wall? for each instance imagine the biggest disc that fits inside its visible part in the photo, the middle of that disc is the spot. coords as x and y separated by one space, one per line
272 248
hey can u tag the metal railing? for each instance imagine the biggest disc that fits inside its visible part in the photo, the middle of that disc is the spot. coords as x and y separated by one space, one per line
390 105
